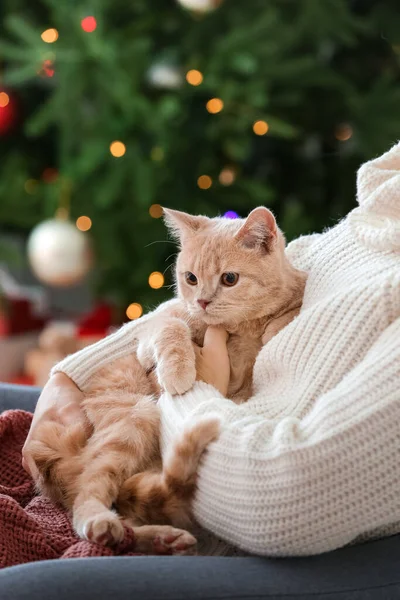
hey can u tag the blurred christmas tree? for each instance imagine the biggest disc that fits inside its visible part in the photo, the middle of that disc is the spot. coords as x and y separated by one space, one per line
201 105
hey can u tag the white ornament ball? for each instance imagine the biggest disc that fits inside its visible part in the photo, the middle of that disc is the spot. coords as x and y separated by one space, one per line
60 255
162 75
203 6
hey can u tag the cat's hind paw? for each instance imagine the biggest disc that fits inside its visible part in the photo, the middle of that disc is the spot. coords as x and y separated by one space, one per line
164 539
177 541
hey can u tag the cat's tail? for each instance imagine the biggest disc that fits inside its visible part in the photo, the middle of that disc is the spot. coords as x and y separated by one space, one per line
182 462
56 457
165 496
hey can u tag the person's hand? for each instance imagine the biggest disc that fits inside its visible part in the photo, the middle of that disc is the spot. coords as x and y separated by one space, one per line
212 360
59 401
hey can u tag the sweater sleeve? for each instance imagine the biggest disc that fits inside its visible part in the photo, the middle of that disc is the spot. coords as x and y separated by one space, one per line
302 486
82 365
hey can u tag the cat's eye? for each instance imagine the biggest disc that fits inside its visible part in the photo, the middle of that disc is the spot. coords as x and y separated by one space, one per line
190 278
229 279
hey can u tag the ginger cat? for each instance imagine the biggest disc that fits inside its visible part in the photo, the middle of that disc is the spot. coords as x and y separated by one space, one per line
232 273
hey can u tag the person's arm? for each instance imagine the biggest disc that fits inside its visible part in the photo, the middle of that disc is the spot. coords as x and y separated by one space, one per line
302 486
62 395
81 366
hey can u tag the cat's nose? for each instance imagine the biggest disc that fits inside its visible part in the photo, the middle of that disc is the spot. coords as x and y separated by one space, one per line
203 303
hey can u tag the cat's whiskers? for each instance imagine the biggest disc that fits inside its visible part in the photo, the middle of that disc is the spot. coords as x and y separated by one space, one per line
159 242
168 257
168 267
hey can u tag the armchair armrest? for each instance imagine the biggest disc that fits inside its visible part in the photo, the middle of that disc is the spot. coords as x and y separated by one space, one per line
18 396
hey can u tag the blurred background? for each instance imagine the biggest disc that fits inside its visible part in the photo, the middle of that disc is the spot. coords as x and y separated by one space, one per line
110 109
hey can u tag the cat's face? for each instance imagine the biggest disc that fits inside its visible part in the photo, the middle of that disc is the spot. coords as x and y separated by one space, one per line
227 270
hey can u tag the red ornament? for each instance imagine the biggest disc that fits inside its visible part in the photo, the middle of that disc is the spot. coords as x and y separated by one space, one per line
19 317
89 24
97 322
22 380
8 112
23 308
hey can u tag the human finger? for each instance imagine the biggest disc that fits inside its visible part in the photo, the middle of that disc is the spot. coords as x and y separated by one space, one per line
215 339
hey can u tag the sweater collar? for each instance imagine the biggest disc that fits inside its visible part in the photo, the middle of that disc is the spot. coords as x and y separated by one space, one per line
376 221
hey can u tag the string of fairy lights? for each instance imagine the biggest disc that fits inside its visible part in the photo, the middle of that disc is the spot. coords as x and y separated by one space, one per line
117 148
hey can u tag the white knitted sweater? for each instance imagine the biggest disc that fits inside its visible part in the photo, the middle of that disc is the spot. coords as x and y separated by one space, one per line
312 461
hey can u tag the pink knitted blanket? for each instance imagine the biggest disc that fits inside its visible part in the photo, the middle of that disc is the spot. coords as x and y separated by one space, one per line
31 527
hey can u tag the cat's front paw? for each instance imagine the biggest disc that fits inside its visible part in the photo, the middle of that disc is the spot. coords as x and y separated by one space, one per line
176 360
177 375
103 528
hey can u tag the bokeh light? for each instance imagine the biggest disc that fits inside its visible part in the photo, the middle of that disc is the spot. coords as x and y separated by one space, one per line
194 77
47 69
214 106
50 175
156 280
49 36
156 211
50 55
30 186
204 182
134 311
227 176
84 223
157 154
231 214
343 132
260 127
117 149
89 24
4 99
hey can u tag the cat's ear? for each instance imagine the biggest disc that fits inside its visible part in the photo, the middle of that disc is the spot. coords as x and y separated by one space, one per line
181 224
259 230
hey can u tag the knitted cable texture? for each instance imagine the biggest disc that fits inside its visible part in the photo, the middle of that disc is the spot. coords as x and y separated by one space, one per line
310 462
